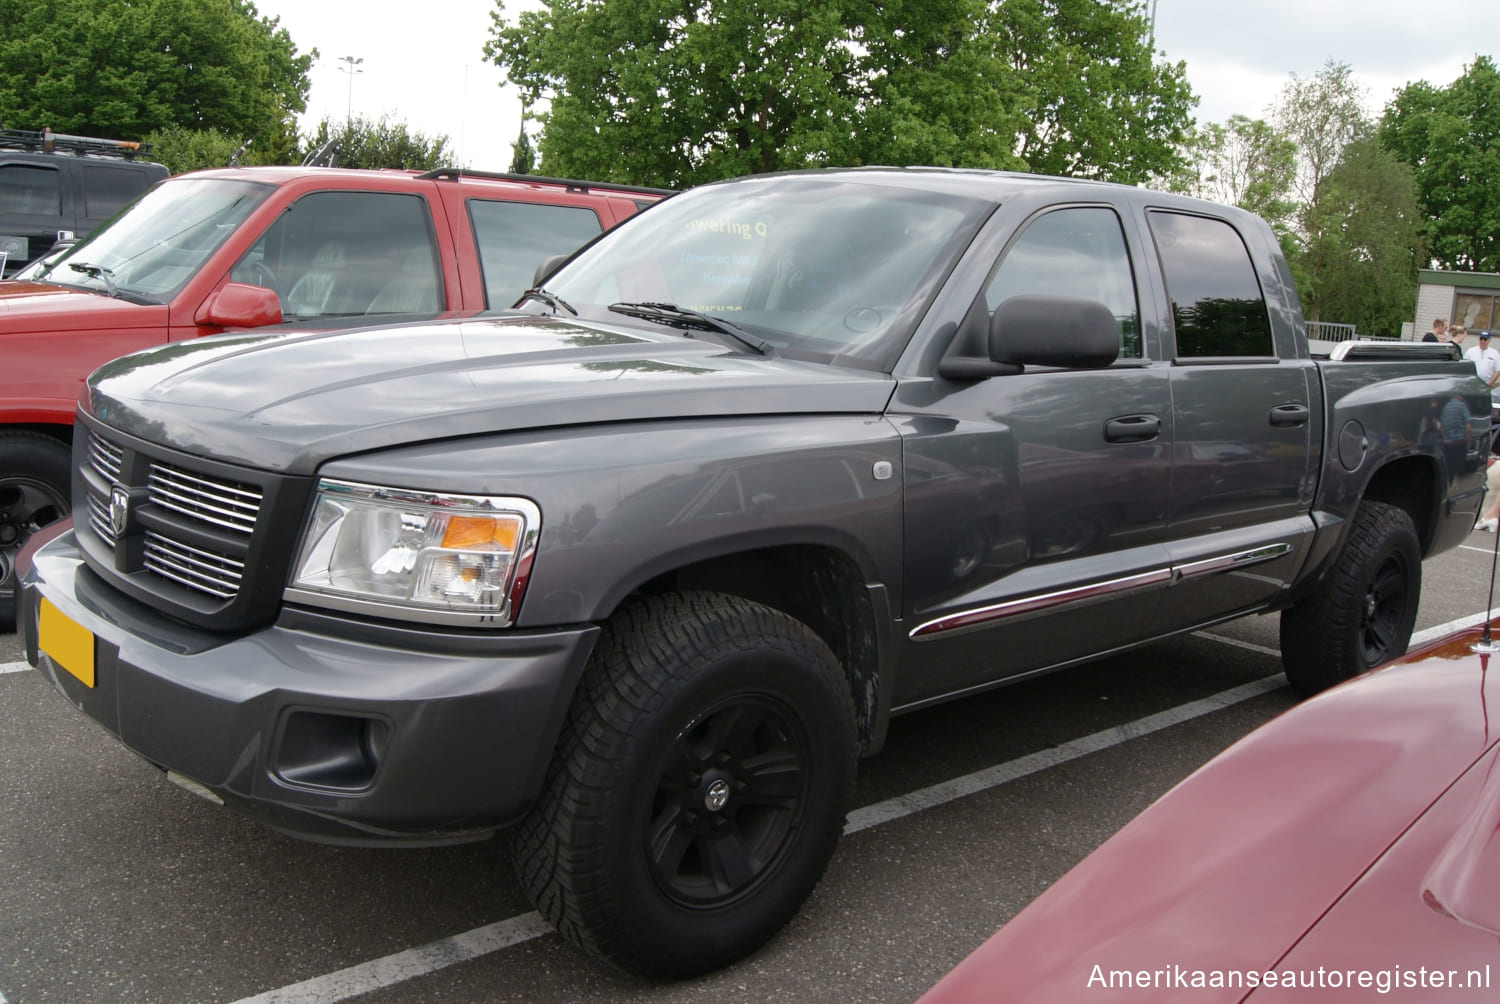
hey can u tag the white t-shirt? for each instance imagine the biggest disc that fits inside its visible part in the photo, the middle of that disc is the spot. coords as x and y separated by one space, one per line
1486 363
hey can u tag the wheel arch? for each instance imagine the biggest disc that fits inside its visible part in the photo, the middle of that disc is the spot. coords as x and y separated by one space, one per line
819 584
1412 483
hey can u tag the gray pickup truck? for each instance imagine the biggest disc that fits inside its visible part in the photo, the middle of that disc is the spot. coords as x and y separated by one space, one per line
640 568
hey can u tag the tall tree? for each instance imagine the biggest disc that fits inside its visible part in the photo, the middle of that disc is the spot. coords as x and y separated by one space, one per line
1321 114
123 68
1451 138
1364 242
1241 162
662 92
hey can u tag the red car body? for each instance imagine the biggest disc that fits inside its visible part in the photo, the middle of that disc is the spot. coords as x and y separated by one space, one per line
1351 846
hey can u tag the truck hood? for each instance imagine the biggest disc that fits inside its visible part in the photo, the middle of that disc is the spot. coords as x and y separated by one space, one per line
288 400
35 306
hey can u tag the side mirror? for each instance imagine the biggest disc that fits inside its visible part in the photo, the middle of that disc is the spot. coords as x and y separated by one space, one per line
1054 331
546 268
238 305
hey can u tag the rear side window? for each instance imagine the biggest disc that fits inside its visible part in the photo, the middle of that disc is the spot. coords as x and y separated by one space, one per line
107 189
348 254
1077 252
30 191
515 237
1218 308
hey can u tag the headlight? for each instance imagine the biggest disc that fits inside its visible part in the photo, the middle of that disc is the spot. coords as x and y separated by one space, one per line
416 555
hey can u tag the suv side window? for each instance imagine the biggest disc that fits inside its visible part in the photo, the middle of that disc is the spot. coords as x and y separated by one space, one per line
106 189
26 190
515 237
1218 308
347 254
1077 252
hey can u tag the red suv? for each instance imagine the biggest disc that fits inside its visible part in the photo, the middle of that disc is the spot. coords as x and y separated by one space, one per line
245 247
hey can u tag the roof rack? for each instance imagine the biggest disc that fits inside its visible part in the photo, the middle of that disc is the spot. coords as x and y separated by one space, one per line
48 141
571 184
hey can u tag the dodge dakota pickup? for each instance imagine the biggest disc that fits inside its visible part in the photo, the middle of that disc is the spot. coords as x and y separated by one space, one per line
639 569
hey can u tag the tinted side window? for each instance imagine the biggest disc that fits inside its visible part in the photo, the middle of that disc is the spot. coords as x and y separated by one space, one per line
347 254
30 191
515 237
1077 252
107 189
1217 305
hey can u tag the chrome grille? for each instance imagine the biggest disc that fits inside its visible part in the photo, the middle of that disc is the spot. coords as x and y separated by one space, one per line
105 457
226 504
194 568
99 520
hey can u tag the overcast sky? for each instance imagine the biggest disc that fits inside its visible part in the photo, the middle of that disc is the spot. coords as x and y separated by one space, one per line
425 65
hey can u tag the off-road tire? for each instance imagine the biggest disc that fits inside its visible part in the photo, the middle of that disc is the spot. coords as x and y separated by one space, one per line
35 483
690 699
1363 611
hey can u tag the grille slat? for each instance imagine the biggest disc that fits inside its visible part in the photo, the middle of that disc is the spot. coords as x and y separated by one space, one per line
106 458
192 567
99 520
221 503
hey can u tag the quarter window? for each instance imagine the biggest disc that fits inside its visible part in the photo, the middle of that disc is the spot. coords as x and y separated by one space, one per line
515 237
30 191
1078 252
106 190
1218 308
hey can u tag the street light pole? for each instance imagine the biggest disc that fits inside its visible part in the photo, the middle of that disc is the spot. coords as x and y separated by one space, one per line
351 67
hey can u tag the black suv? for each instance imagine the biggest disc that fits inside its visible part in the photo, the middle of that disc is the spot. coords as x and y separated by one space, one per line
53 185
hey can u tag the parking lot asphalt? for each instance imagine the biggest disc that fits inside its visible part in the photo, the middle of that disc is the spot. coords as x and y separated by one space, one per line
116 885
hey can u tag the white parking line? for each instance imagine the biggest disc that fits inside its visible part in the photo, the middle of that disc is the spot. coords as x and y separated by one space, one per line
13 667
380 973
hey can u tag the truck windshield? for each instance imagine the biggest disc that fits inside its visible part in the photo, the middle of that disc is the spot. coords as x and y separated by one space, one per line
820 267
151 250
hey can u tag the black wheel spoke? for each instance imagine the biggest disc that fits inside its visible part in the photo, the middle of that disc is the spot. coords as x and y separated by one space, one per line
733 729
729 863
775 778
669 840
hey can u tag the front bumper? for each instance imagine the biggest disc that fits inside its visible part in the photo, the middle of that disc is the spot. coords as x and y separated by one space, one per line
320 727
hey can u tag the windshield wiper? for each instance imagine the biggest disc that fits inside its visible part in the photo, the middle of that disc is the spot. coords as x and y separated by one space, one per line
550 299
681 317
99 272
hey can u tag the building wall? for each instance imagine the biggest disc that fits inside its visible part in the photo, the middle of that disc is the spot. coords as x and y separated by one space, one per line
1432 301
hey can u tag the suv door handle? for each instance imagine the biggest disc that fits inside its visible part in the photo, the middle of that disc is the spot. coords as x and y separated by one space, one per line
1289 415
1132 429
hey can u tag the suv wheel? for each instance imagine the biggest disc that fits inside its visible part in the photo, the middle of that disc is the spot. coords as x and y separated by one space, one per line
699 787
35 471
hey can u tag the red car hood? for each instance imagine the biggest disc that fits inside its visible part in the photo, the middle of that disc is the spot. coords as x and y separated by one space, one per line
1274 840
33 306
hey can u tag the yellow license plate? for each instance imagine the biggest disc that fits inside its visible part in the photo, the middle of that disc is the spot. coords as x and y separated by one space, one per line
67 643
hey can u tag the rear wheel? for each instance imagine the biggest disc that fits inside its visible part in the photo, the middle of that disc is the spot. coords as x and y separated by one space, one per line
698 790
1363 612
35 472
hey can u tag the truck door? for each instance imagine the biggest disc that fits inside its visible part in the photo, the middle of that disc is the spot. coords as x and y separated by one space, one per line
1242 412
1035 502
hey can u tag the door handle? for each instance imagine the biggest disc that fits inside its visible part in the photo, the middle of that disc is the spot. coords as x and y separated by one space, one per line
1285 416
1132 429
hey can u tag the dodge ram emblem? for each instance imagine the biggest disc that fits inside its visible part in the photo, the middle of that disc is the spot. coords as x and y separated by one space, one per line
119 509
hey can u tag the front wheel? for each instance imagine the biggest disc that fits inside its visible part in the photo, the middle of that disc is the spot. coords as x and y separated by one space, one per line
1363 612
699 787
35 471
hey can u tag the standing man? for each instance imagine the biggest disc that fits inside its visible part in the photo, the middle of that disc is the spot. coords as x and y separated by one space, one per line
1439 325
1487 364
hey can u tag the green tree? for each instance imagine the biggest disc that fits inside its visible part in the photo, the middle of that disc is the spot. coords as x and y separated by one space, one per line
659 92
1364 242
363 143
124 68
1451 138
191 149
1321 115
522 154
1241 162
